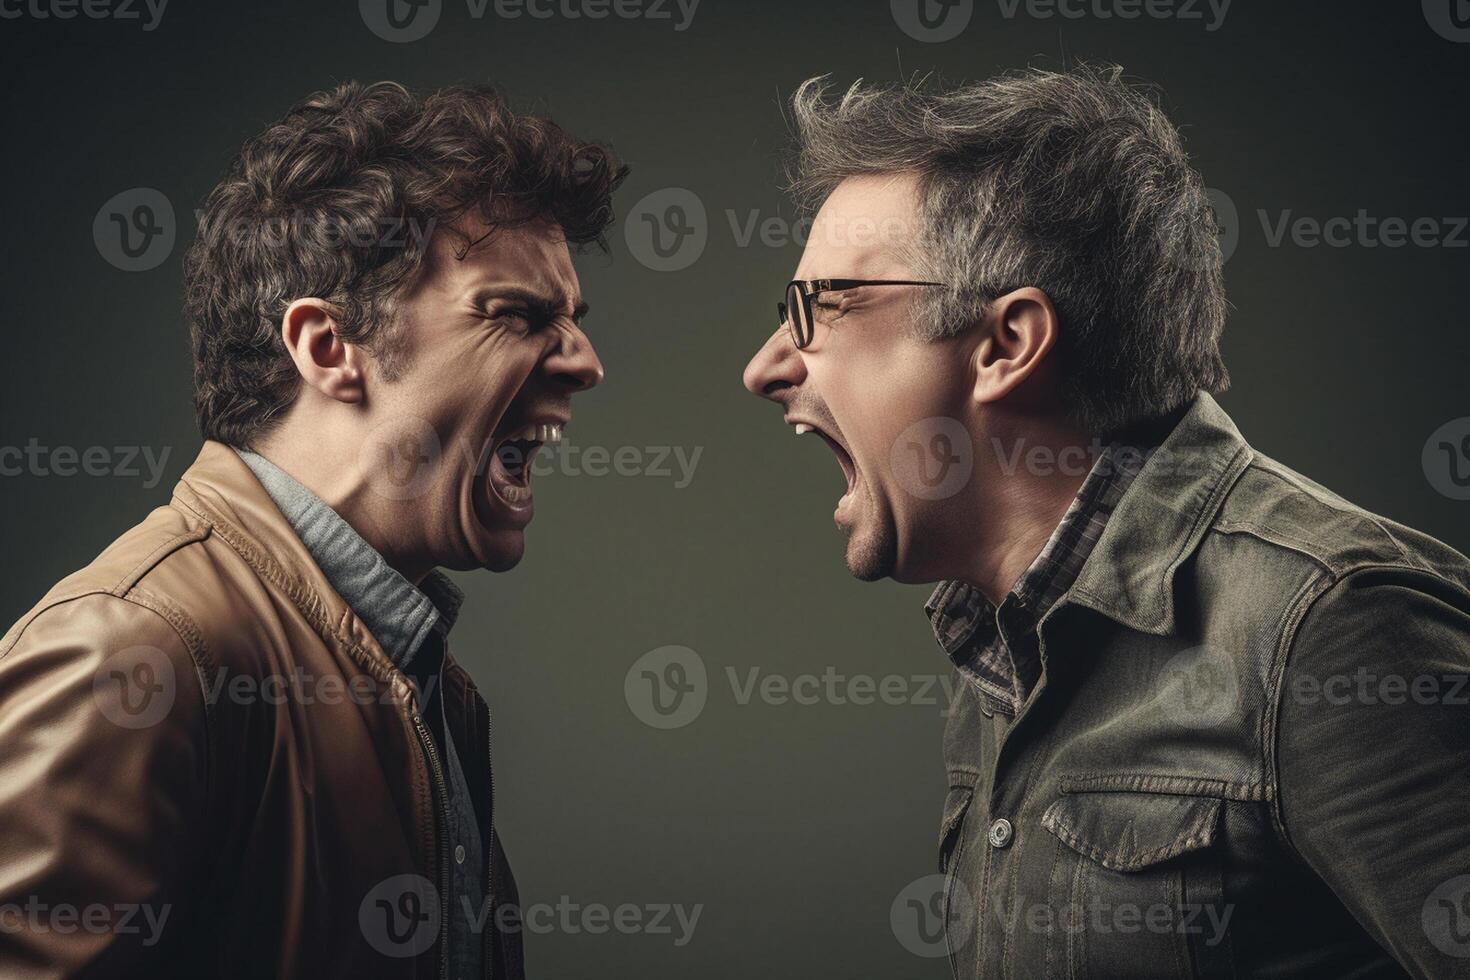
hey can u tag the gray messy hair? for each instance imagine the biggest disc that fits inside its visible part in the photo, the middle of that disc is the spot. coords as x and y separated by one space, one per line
1075 183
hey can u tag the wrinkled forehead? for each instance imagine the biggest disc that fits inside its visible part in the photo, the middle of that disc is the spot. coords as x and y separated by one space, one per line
533 253
868 228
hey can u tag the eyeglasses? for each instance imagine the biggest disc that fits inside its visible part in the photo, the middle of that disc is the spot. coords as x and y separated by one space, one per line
797 310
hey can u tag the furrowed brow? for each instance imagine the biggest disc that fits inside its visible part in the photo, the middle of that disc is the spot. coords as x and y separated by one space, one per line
544 306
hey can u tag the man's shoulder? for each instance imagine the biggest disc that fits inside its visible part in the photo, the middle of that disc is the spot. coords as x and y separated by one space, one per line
122 570
171 566
1288 512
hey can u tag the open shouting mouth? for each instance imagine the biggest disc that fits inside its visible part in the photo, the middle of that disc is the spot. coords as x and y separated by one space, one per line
843 515
509 471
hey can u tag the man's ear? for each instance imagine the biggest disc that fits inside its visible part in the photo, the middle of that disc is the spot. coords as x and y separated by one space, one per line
1016 335
324 360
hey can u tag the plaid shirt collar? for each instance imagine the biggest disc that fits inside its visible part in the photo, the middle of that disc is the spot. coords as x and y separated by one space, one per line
995 648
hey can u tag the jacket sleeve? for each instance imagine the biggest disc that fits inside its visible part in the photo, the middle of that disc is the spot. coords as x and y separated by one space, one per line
103 758
1373 754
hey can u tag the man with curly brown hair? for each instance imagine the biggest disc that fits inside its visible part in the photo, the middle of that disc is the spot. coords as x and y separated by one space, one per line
244 747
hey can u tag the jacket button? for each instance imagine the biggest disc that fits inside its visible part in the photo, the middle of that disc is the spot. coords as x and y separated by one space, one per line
1001 833
459 854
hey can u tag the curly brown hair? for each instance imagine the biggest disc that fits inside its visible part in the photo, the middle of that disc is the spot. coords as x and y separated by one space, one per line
338 200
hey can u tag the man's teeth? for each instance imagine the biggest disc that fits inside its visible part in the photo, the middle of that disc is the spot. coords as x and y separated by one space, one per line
514 494
545 432
802 428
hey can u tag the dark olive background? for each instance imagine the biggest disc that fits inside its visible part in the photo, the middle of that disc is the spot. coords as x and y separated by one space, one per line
793 825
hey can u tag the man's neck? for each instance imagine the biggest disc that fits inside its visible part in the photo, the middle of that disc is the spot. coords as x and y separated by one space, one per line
1020 514
339 484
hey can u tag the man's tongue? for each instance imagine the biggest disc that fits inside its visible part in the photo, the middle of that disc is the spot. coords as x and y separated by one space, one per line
510 470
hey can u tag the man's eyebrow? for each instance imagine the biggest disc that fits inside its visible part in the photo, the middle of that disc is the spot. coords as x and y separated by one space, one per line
544 305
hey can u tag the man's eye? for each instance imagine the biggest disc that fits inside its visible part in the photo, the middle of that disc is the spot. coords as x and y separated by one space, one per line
512 313
828 306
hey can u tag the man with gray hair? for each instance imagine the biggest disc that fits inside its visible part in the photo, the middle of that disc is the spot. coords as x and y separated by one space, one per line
1211 720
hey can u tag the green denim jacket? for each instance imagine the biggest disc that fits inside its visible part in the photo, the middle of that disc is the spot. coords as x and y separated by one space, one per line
1248 754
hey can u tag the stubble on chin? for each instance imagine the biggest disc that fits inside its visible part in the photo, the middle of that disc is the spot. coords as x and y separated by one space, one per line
871 557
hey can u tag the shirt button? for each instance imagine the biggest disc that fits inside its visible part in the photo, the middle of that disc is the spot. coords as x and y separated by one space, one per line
459 853
1001 833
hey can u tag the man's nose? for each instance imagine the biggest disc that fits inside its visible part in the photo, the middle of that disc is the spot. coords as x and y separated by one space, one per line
775 367
574 364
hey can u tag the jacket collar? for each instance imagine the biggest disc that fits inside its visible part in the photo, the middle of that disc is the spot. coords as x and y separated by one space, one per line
1129 577
399 613
222 491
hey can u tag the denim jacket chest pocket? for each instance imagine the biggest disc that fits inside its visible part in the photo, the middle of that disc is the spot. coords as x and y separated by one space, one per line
1135 885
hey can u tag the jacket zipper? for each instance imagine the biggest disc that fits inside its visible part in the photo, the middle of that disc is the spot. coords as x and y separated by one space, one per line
441 794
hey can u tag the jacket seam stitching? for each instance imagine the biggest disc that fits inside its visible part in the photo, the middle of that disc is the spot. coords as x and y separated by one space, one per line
1198 836
1278 538
1283 475
126 582
192 638
1125 783
1301 605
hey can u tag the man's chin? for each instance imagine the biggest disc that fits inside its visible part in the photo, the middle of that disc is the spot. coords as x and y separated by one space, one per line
495 533
491 549
502 549
870 556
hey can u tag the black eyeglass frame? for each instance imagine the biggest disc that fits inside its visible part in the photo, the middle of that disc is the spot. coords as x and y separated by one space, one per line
803 331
